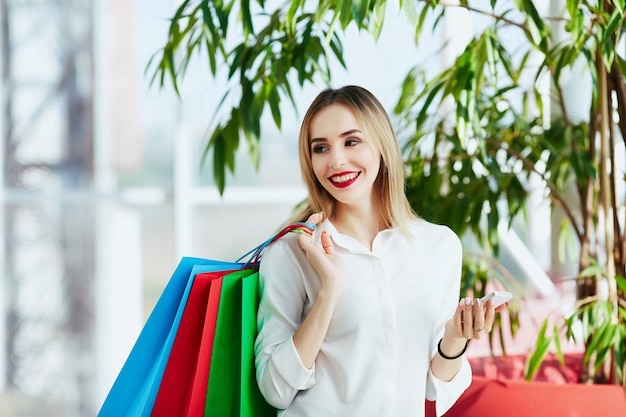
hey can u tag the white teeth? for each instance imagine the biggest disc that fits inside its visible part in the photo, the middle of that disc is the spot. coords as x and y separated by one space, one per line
344 178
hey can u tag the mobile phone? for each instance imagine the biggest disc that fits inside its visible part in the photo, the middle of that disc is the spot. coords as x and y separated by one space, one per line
500 297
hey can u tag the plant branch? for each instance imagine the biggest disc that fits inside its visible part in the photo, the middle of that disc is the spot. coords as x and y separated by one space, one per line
555 195
561 101
484 13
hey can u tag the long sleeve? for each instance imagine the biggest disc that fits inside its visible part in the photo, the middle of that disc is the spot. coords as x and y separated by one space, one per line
280 373
446 393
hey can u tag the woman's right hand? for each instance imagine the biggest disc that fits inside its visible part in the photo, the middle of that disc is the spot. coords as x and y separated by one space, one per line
324 260
309 337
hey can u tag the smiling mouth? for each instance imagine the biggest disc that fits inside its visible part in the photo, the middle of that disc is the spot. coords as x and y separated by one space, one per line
344 180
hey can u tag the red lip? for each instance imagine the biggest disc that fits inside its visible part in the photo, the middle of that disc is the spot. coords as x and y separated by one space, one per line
345 183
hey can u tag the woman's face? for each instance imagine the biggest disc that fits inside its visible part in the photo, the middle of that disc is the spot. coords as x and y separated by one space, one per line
344 161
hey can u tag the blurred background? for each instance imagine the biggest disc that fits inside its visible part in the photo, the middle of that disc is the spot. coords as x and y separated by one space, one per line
103 190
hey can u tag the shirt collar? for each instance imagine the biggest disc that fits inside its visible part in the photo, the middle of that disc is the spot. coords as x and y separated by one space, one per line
342 240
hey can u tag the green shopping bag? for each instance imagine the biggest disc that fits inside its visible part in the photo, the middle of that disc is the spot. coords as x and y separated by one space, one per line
232 388
251 402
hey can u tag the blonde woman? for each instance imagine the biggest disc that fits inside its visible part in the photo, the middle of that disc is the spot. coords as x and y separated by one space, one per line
363 319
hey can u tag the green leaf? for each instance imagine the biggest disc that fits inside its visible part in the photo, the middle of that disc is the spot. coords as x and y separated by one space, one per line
410 11
610 32
534 361
212 36
219 166
291 16
557 345
598 331
345 13
613 28
572 7
246 18
379 18
539 32
360 10
337 48
592 271
273 99
230 139
169 65
420 25
222 10
602 332
433 90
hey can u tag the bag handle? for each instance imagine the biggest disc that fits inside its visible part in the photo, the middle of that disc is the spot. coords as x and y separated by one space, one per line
255 254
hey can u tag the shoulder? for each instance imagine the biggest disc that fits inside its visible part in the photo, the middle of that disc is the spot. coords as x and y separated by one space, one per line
424 231
282 253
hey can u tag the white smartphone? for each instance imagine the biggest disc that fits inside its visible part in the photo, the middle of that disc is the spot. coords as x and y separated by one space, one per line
500 297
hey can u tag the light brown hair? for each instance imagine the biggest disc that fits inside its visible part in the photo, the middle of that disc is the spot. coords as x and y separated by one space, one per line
376 126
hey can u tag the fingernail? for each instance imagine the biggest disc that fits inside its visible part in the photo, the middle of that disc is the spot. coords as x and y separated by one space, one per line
462 302
468 301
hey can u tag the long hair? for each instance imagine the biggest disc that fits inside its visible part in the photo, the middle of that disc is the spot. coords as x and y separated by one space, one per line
377 128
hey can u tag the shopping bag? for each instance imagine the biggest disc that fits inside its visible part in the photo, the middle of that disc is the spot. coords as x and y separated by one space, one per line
173 397
251 402
195 405
232 388
136 388
221 397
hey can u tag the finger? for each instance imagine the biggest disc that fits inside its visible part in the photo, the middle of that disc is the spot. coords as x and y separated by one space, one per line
315 218
305 242
489 316
327 243
457 319
468 319
502 307
479 319
458 315
304 239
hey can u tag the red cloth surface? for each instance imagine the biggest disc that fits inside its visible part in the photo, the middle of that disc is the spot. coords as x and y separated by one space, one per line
498 390
487 397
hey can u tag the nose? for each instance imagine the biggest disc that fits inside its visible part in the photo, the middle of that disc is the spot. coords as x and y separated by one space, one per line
337 158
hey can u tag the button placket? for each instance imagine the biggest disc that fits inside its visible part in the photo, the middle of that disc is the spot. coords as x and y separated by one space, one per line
389 325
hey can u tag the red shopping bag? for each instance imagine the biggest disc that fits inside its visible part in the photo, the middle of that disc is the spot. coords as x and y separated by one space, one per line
197 400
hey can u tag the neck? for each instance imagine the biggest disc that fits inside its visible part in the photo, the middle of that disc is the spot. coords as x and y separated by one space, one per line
360 223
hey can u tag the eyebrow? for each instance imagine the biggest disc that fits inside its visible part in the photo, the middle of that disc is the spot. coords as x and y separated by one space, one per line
344 134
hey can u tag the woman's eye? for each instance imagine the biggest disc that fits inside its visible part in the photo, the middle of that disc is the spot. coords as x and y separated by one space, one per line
319 149
351 142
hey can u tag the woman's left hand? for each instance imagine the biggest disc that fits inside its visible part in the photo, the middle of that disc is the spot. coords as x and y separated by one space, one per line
472 319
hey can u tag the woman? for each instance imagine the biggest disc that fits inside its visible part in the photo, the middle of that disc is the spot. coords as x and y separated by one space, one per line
364 318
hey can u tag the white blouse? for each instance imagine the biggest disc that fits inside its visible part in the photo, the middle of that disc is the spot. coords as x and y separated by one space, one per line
375 359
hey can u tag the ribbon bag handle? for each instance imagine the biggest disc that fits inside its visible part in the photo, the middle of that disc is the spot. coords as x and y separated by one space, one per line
254 255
